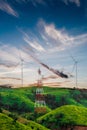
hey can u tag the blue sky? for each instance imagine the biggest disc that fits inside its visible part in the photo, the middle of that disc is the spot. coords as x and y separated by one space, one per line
52 31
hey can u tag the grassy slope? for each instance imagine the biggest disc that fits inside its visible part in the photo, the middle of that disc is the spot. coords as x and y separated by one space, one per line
32 124
68 95
19 99
7 123
65 115
23 98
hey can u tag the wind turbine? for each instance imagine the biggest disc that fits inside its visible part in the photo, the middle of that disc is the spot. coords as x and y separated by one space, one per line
22 81
75 66
22 61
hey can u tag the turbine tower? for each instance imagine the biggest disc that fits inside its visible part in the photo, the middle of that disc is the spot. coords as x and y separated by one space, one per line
22 61
22 72
75 66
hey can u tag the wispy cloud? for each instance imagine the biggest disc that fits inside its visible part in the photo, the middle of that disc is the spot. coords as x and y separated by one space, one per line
8 64
59 39
44 2
6 7
10 78
35 45
57 84
51 40
54 71
10 56
34 2
17 71
77 2
49 77
32 41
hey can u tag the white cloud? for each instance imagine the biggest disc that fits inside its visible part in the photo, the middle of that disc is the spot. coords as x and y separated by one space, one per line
4 6
51 40
10 56
77 2
59 39
33 42
18 71
6 55
56 35
34 45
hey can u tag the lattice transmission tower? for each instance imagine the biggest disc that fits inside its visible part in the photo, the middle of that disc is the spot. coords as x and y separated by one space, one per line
40 104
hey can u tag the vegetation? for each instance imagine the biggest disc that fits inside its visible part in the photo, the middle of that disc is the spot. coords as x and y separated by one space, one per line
67 115
32 124
18 105
16 101
22 99
7 123
57 97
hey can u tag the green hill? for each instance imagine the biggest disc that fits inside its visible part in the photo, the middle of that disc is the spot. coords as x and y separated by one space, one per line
67 115
54 97
7 123
15 101
65 96
70 103
32 124
20 100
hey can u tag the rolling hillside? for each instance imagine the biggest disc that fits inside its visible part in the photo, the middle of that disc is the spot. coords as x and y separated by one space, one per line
7 123
20 100
64 107
64 116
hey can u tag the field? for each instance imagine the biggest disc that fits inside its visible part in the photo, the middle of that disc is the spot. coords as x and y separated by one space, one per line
65 107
